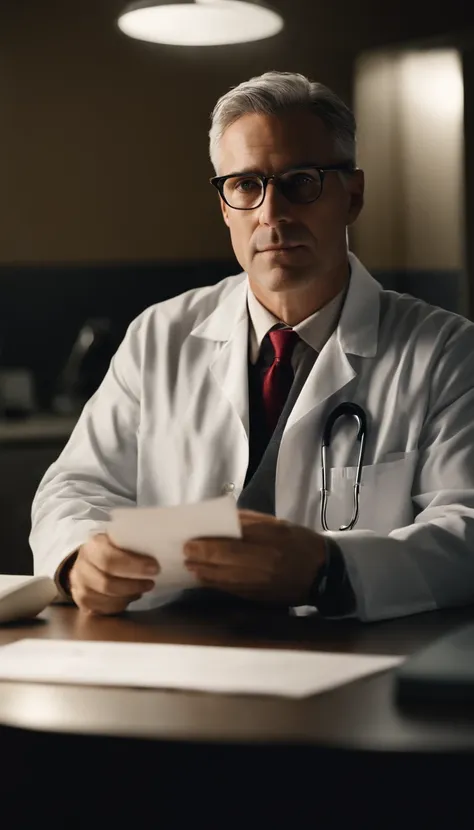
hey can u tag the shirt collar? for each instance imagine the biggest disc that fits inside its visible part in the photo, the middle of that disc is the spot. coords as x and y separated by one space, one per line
314 331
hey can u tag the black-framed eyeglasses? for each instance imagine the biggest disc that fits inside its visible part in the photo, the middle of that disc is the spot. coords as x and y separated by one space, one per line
301 185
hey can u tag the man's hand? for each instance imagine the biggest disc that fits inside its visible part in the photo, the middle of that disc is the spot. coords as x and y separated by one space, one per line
275 561
105 579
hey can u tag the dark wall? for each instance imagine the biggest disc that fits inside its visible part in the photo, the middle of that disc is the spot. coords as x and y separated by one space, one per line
44 307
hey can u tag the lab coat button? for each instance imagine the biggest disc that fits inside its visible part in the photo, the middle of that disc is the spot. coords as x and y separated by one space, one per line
228 487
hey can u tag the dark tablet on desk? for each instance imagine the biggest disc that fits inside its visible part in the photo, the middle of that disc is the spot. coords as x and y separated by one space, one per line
443 671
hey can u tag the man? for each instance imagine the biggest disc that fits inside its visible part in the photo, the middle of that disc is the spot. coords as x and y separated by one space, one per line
229 388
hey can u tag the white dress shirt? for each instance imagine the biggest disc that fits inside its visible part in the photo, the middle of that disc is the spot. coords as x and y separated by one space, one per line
314 331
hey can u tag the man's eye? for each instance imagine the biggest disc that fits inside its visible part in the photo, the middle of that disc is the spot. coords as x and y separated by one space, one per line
299 179
247 185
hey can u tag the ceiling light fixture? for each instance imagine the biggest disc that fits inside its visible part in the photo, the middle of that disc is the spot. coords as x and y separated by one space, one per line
199 23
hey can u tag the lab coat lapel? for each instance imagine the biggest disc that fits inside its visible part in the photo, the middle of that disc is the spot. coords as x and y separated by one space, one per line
356 334
331 371
228 327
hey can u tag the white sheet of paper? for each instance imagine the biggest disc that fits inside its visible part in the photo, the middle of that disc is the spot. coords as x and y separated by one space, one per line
162 531
279 672
11 581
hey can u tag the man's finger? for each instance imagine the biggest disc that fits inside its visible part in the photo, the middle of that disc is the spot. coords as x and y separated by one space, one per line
229 553
88 574
260 525
120 563
213 550
220 577
251 517
91 602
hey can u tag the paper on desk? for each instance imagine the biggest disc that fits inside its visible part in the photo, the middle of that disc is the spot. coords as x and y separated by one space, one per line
162 531
292 674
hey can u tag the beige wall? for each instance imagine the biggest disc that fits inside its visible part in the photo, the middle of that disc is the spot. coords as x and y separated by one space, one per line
409 106
103 140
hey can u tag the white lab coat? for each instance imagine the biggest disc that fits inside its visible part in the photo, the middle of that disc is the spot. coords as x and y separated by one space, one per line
169 425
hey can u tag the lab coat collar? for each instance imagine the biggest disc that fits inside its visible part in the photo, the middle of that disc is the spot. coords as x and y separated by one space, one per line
225 320
358 327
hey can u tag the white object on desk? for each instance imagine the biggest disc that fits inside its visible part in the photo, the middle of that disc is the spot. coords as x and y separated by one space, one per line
161 532
24 596
286 673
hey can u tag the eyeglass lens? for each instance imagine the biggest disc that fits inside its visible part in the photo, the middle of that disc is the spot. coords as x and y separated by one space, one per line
246 191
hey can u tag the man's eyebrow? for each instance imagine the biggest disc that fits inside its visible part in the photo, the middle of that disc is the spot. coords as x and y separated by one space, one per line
254 171
249 171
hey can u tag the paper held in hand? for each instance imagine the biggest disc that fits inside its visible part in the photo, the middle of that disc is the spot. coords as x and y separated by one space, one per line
161 532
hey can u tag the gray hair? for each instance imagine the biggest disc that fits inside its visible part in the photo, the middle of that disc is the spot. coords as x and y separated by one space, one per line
276 92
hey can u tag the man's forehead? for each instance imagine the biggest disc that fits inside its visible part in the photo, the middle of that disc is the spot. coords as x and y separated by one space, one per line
264 142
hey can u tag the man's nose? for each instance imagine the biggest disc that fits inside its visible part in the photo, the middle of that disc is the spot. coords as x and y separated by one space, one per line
274 208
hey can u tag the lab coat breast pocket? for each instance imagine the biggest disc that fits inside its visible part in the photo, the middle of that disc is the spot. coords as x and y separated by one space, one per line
385 495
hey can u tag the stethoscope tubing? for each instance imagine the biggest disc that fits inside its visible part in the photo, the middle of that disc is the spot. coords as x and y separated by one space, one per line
348 409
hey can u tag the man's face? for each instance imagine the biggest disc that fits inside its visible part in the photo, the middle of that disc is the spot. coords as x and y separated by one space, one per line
316 231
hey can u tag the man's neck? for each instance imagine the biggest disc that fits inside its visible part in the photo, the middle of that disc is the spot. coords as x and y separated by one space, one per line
294 306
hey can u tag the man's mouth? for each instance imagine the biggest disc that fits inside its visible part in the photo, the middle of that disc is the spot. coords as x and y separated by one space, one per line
279 248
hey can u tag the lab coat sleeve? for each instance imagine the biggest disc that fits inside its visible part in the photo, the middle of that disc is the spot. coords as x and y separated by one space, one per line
97 470
428 564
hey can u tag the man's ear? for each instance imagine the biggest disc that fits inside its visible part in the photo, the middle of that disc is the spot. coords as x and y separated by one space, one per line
355 188
225 211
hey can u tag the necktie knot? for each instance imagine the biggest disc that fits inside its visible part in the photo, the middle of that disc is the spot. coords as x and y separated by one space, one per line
283 342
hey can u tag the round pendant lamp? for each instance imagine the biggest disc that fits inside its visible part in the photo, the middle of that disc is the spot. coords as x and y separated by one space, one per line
199 23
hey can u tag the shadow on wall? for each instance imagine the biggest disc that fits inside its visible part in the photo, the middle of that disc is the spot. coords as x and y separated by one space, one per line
43 308
447 288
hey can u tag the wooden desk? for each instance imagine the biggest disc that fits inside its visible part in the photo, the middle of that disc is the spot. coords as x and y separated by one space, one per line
362 715
356 729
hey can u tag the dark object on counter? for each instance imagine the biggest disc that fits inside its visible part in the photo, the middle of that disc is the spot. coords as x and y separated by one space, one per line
17 393
441 672
86 367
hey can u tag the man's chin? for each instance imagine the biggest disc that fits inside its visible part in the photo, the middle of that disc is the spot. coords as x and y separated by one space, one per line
282 278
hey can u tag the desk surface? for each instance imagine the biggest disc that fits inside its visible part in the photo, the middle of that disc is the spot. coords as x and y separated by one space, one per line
362 715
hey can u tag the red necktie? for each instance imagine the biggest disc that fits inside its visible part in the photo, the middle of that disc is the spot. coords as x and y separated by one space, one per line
279 376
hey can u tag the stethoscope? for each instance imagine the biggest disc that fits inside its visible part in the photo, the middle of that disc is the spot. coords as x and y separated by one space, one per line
354 411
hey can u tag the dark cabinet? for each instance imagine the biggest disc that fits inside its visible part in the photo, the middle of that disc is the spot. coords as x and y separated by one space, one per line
22 468
26 452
